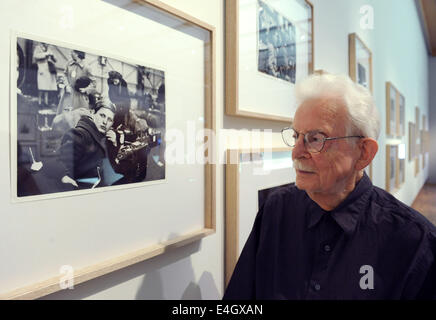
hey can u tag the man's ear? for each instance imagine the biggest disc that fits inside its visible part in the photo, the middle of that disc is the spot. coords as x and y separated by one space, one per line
368 149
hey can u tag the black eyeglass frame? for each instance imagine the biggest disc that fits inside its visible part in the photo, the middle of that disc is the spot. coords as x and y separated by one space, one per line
306 142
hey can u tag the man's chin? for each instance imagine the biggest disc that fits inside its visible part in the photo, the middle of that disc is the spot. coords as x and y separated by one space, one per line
303 184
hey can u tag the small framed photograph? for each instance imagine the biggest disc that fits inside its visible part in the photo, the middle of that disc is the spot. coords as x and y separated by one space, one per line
412 141
401 129
269 47
391 110
401 164
359 61
360 68
391 167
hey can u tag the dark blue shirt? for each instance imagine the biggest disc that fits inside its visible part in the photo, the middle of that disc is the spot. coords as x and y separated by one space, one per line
371 246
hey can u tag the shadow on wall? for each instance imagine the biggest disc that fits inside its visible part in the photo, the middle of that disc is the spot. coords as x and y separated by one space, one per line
153 286
169 276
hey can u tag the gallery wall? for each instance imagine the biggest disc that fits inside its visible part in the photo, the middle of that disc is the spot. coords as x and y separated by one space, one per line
44 231
196 271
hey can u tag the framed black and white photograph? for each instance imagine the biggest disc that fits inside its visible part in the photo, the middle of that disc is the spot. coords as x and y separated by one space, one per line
412 141
424 141
359 61
276 43
401 163
391 110
391 167
401 115
360 69
417 140
269 47
95 121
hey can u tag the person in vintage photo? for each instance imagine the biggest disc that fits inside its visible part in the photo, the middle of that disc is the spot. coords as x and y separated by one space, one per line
128 156
332 234
106 129
83 148
75 92
46 78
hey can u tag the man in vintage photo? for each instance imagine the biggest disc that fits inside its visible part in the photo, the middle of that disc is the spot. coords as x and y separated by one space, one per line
128 156
332 234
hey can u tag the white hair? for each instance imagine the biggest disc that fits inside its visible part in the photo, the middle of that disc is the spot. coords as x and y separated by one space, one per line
362 112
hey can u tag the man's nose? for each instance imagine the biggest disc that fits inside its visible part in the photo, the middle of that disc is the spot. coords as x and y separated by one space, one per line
299 149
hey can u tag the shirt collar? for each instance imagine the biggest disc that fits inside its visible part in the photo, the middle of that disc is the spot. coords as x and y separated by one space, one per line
347 213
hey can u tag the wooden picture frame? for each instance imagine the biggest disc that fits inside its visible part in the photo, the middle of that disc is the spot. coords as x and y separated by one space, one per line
392 181
401 111
206 210
360 56
239 164
246 52
392 117
412 141
360 61
418 140
401 163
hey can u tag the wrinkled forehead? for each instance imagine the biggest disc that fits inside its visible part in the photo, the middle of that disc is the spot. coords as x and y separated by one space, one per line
326 114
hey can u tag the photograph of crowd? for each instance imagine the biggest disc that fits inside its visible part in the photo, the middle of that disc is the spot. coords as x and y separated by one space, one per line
85 121
276 44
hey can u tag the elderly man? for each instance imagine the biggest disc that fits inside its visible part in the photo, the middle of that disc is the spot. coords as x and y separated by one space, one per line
332 234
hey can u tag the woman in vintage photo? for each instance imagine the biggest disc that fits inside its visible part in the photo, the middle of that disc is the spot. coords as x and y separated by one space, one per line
46 76
75 95
83 148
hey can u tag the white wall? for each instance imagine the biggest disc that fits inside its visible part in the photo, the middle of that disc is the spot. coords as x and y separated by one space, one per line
399 55
432 119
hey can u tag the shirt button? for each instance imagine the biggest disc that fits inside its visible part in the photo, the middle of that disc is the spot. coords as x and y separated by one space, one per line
317 287
327 248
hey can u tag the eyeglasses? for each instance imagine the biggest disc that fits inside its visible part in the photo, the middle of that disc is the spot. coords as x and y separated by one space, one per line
314 141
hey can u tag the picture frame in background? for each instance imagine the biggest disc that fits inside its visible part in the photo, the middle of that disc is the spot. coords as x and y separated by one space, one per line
391 110
360 69
417 140
412 141
424 141
401 164
269 46
187 34
391 168
360 62
401 128
250 175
